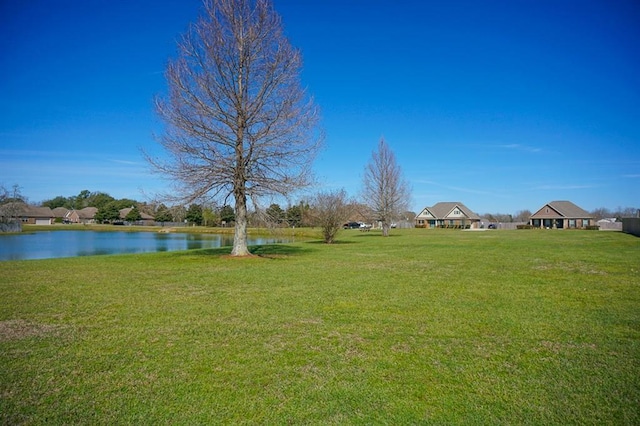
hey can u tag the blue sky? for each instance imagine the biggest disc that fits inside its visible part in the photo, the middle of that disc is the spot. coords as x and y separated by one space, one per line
502 105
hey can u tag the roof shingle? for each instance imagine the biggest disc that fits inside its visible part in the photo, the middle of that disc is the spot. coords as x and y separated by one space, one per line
565 209
441 210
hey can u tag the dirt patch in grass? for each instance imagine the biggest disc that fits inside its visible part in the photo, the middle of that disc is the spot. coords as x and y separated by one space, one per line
256 256
246 256
577 267
21 329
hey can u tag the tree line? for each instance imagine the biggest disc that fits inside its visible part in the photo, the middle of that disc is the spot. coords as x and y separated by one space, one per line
310 213
239 128
108 209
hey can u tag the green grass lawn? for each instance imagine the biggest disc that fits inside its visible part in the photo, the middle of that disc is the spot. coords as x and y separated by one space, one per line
423 327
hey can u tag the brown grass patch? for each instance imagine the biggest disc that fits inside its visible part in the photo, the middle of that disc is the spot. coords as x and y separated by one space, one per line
21 329
234 257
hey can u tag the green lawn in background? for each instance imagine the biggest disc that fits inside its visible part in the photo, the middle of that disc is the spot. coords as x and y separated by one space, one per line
422 327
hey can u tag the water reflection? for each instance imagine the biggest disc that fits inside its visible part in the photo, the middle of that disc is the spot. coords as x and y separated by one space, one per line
54 244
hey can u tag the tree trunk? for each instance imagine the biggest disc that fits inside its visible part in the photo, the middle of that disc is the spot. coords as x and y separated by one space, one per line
240 236
238 122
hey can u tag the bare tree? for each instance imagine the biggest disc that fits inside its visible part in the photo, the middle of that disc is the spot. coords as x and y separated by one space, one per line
386 192
238 123
12 204
522 216
330 210
500 217
601 213
621 212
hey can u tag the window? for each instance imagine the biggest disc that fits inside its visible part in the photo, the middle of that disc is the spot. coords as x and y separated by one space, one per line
456 212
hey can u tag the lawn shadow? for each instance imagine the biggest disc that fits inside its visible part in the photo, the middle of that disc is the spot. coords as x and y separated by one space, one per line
278 250
335 243
376 234
218 251
267 251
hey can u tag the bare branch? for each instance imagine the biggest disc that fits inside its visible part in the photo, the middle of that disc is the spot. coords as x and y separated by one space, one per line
385 190
238 122
330 210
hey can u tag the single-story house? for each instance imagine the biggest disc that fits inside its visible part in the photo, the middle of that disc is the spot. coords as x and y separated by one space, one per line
450 214
60 213
146 219
561 215
86 215
36 215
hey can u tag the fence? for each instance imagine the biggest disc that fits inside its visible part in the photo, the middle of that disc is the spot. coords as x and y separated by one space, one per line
509 225
631 225
610 226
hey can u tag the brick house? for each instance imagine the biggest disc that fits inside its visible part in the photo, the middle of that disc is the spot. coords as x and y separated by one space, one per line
561 215
86 215
36 215
450 214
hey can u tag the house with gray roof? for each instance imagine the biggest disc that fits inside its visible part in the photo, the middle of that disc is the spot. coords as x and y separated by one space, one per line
449 214
60 213
145 219
34 215
561 215
86 215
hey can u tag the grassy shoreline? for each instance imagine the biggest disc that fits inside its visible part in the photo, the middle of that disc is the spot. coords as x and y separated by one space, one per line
294 232
426 326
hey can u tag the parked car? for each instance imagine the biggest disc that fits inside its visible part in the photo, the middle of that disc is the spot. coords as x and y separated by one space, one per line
365 226
351 225
394 225
492 226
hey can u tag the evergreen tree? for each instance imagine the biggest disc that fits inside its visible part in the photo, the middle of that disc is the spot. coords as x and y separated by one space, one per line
194 214
133 215
163 214
109 213
227 215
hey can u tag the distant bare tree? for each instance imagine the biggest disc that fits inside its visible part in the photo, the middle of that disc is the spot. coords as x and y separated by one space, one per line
330 210
386 192
12 204
238 123
621 212
602 213
503 217
508 218
522 216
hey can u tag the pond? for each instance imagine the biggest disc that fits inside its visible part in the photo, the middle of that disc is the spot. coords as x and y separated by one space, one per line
54 244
